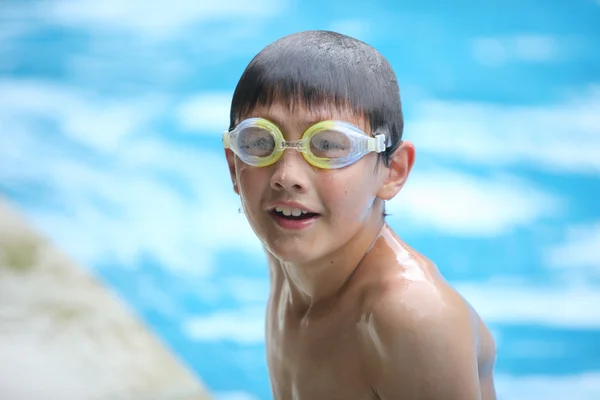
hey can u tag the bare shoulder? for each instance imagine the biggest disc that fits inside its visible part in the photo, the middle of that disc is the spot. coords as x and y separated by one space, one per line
421 308
422 339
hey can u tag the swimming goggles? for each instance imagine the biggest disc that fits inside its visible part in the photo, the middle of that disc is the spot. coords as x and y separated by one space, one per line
326 144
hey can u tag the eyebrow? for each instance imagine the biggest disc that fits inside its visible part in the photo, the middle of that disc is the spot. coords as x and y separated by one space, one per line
305 123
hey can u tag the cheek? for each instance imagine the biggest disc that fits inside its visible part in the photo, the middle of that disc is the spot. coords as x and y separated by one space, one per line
348 196
251 182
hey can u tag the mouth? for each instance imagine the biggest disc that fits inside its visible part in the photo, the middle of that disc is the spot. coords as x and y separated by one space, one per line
293 218
293 214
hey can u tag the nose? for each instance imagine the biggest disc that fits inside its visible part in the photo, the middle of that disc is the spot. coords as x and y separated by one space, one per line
290 172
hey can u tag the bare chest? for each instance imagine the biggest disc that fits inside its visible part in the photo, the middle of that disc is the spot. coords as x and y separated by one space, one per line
318 359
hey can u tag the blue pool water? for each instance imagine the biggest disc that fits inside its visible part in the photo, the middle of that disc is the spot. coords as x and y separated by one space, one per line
110 122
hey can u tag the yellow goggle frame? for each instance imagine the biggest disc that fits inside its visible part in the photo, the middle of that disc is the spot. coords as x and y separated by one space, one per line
360 143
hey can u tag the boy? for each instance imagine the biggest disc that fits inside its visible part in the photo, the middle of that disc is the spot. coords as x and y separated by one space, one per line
314 150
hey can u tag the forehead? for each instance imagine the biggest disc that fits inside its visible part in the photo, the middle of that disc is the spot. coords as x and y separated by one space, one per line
300 117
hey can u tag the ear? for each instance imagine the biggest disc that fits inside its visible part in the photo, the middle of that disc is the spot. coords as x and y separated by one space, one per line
231 163
401 163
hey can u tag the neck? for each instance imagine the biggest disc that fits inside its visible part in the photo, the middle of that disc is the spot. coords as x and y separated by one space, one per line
324 279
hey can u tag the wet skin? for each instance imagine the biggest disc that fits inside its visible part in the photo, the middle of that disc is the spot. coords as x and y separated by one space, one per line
396 330
353 312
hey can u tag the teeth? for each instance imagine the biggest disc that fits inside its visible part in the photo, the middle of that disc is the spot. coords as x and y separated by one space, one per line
287 211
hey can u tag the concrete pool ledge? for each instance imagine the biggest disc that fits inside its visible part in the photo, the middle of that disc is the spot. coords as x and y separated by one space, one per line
64 335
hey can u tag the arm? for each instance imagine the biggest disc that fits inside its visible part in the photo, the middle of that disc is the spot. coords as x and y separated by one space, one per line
422 351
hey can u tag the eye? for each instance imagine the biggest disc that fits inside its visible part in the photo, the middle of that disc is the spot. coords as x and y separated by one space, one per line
256 142
330 144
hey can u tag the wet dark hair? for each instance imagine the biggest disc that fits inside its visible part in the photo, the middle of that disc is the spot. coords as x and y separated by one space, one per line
323 69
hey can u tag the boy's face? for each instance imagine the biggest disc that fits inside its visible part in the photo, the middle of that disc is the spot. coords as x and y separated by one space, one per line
341 198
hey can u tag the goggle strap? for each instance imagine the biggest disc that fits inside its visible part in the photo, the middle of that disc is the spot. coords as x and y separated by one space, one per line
377 144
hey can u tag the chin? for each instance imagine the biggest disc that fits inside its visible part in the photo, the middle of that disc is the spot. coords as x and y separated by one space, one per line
291 251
